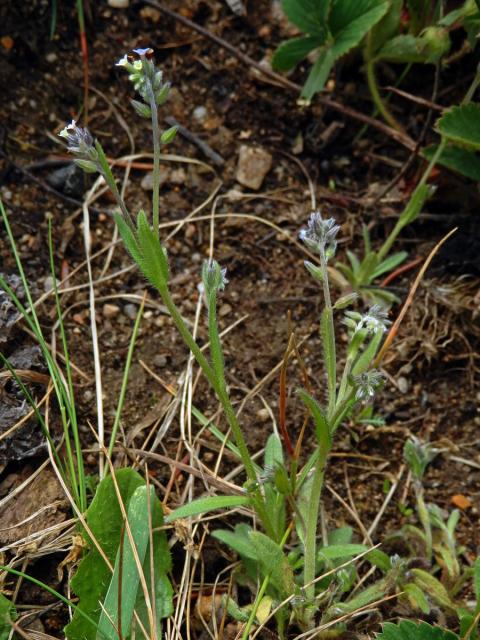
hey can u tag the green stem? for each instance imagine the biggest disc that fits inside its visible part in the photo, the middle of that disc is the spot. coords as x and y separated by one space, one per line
387 245
425 520
156 157
311 532
373 86
210 375
123 390
330 347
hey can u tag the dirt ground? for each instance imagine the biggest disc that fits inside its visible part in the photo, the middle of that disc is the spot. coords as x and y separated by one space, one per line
432 371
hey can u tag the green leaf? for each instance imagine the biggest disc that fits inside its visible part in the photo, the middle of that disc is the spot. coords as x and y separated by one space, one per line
274 563
238 540
308 15
128 237
204 505
476 581
416 597
318 73
380 560
92 579
273 452
153 253
351 20
322 428
412 210
408 630
388 26
290 53
125 578
7 615
461 125
433 587
427 48
389 264
463 161
336 551
169 134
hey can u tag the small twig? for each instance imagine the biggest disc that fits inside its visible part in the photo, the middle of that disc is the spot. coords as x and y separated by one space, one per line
206 149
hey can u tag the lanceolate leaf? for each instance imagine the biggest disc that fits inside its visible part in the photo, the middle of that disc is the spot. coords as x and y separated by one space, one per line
292 51
319 73
462 125
205 505
91 581
125 578
308 15
273 563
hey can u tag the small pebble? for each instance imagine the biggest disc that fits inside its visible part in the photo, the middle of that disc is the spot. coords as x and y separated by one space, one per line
130 310
253 165
263 415
118 4
147 180
160 360
51 57
178 176
199 113
224 310
48 284
403 384
110 310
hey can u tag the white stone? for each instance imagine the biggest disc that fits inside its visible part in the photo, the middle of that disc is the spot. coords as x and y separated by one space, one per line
118 4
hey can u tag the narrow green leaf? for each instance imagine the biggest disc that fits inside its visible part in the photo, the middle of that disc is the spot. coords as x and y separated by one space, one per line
128 237
415 204
205 505
389 264
238 540
273 452
406 48
318 73
379 559
461 124
290 53
433 587
92 579
322 428
416 597
126 579
152 252
476 581
336 551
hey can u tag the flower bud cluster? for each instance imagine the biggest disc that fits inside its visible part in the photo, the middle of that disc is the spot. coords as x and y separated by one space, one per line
372 322
367 383
320 235
80 143
146 79
213 276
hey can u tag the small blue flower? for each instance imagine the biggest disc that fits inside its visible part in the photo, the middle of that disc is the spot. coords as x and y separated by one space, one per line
143 52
